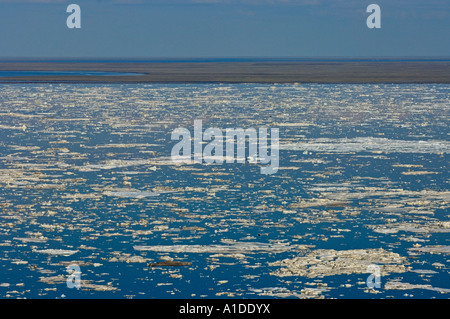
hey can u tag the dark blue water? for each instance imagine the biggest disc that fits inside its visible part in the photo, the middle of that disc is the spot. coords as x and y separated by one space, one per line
363 169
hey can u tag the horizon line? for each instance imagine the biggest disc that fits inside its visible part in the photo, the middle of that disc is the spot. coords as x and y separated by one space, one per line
227 59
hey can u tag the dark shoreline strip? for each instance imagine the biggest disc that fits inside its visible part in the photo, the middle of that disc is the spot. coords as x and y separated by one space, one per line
417 72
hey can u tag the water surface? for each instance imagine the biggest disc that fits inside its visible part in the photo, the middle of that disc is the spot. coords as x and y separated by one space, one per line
86 179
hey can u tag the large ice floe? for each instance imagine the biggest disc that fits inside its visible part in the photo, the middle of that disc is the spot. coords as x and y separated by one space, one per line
330 262
238 247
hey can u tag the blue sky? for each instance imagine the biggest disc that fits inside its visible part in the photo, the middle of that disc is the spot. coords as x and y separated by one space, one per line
224 28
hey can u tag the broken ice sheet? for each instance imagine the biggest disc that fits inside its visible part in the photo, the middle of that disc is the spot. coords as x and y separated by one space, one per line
357 168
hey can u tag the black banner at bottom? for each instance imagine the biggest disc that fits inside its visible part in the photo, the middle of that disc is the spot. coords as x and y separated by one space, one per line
220 308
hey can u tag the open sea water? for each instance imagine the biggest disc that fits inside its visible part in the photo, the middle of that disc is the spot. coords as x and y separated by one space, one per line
86 179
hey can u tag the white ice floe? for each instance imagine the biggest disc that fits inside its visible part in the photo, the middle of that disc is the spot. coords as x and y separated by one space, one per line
23 127
84 284
369 144
424 271
430 227
62 252
432 249
238 247
130 194
398 285
31 240
135 193
118 163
